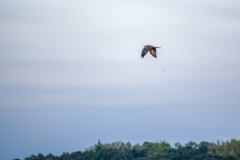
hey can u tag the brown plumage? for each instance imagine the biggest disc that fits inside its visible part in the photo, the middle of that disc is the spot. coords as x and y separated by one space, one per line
152 50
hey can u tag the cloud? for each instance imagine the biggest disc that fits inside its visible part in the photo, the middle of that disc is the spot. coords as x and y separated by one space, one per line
64 62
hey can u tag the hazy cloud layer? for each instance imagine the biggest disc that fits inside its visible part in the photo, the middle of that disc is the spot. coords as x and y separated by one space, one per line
71 73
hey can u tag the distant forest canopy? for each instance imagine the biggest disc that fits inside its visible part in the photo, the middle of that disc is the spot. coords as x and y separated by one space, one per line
229 150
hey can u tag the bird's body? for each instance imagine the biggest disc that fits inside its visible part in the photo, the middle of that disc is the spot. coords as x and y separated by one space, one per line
152 50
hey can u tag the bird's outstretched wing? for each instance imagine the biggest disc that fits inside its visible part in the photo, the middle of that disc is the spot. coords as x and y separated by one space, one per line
144 52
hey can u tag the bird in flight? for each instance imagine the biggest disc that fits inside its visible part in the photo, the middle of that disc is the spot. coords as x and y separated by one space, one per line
152 50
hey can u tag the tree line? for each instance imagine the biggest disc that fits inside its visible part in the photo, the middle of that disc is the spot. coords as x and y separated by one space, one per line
162 150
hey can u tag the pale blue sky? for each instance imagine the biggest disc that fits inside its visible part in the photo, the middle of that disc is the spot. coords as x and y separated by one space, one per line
71 73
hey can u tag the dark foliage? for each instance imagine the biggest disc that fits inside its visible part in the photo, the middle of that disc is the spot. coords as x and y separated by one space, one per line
162 150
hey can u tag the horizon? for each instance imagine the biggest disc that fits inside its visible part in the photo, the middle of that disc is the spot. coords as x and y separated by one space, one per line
71 73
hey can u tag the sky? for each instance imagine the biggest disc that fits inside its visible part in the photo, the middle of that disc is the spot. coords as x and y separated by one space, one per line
71 73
